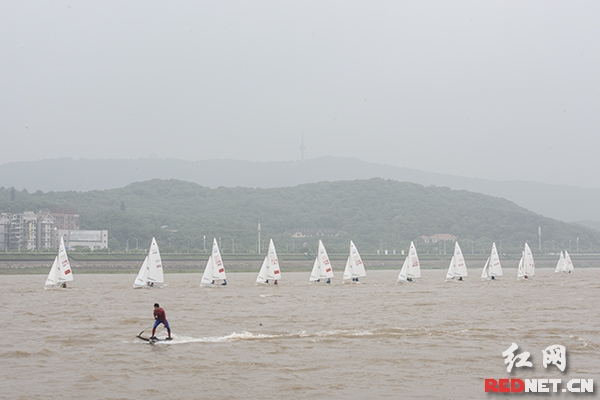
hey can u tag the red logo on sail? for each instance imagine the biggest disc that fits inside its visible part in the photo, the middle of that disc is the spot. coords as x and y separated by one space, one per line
221 270
328 270
276 272
67 272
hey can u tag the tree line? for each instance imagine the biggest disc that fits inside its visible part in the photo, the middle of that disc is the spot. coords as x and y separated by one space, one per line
377 214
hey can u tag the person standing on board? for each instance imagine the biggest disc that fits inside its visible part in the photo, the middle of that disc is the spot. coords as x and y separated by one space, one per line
160 318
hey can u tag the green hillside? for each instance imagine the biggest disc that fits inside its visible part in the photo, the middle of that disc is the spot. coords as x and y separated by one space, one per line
375 214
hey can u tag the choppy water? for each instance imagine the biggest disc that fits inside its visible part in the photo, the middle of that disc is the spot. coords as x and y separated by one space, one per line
376 340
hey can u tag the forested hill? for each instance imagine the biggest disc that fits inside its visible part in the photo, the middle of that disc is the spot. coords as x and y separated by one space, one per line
375 213
561 202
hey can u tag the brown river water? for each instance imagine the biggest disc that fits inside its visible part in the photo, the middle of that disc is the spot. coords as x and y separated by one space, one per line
380 339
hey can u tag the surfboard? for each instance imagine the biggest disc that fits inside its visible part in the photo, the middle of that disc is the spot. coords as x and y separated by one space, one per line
154 340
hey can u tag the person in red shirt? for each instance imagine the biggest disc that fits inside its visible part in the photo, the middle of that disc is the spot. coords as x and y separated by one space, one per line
160 318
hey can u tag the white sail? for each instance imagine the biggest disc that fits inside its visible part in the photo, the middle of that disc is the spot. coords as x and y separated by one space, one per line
492 268
315 273
411 268
403 275
520 271
347 271
485 273
414 267
457 267
53 276
66 274
207 276
263 272
141 279
560 265
61 268
270 267
214 271
151 271
495 266
155 269
322 266
451 269
568 262
459 259
354 265
274 270
528 263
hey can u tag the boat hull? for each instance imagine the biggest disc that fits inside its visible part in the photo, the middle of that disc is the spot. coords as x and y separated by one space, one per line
454 281
147 287
56 288
216 284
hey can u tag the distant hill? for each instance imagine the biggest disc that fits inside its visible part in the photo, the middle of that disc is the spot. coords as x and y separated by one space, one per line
560 202
375 213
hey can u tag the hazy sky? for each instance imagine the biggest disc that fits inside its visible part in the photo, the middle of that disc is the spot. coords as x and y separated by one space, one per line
492 89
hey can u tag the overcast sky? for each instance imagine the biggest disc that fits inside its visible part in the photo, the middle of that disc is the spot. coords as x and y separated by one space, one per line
499 90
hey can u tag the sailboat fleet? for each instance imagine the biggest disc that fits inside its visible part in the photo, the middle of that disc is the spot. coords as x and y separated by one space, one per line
151 275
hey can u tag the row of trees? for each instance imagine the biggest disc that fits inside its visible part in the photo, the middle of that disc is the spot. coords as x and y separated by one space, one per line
376 214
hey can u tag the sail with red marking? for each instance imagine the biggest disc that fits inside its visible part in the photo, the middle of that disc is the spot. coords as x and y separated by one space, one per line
354 266
457 267
322 266
269 271
214 272
61 271
411 269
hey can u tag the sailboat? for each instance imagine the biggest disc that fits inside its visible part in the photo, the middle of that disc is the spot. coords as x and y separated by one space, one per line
564 265
214 273
568 262
151 271
526 267
457 267
492 268
61 272
322 266
411 269
354 266
560 265
270 268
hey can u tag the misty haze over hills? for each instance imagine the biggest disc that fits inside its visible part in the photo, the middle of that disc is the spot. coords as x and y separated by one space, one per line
560 202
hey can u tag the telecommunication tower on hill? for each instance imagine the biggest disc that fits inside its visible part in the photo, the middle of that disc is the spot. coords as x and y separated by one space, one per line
302 148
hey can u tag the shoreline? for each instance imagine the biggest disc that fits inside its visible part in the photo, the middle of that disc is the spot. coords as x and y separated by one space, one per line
132 267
